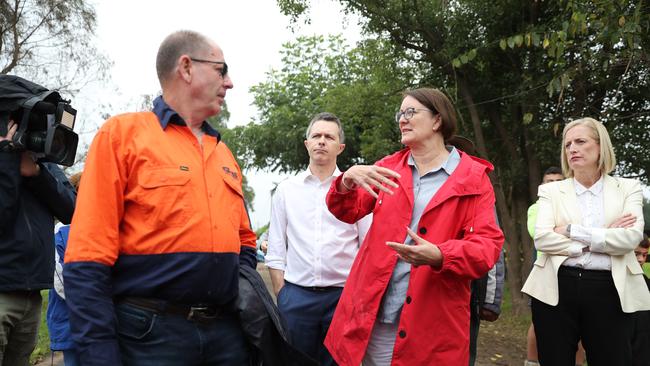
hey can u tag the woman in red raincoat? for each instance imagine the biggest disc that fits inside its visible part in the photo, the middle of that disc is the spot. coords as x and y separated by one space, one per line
434 229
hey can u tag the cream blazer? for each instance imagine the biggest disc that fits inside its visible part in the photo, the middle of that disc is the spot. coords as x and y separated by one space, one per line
558 206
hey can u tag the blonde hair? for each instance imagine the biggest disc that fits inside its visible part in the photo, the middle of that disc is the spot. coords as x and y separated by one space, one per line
606 159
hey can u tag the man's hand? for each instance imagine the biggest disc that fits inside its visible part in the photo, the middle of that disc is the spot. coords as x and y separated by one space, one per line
28 166
368 177
6 143
423 252
11 130
277 280
488 315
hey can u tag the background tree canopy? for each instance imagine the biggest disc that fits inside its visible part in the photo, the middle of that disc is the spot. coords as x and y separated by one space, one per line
517 71
51 43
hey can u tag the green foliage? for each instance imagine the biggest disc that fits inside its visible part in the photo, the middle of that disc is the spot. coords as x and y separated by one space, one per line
42 348
518 72
51 42
361 86
262 230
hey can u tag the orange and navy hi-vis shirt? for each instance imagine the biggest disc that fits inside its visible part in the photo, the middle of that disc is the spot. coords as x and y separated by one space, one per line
157 216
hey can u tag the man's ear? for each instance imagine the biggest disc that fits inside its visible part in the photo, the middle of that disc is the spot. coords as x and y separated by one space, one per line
341 148
184 68
306 147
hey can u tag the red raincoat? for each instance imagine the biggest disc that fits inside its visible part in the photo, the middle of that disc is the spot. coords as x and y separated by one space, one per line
460 219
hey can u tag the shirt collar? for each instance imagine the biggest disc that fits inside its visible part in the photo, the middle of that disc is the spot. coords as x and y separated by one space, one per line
449 165
167 115
596 188
305 174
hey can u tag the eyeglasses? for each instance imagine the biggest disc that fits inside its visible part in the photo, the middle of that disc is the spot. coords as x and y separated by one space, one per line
408 113
223 71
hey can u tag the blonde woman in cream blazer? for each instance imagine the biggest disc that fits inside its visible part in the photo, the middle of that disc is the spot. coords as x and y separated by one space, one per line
587 282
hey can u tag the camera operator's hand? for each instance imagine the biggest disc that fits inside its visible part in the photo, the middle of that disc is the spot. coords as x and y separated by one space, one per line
28 166
11 130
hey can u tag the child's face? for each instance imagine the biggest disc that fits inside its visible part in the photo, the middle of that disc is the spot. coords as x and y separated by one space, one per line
641 254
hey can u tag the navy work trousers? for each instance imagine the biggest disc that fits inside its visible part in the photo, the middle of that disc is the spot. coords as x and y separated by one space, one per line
150 339
308 313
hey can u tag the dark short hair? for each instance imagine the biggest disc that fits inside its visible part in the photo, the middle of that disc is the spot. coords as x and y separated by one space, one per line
182 42
553 170
645 243
329 117
436 101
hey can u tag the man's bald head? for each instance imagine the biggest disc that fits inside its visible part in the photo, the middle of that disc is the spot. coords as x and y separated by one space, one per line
183 42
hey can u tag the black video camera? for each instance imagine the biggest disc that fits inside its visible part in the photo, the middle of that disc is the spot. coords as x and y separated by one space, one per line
45 120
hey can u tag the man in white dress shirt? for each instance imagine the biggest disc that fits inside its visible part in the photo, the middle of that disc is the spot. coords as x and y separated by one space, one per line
310 252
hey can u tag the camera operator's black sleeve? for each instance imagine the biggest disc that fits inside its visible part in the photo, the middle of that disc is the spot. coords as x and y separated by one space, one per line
9 189
53 190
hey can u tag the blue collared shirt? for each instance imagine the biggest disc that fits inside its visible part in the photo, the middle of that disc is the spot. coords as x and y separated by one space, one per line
167 115
424 189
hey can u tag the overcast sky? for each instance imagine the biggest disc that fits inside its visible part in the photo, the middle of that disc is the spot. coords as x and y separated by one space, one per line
250 32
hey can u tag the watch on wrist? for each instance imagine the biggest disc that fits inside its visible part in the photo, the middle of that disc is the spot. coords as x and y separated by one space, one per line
568 230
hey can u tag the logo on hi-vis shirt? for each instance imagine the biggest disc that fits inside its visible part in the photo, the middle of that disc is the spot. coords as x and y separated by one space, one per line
228 171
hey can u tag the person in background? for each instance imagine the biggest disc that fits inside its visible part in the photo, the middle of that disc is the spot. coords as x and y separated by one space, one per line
57 318
262 246
552 174
310 251
407 298
32 194
586 283
641 338
161 229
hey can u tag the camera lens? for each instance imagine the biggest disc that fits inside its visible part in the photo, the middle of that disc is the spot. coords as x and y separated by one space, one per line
36 141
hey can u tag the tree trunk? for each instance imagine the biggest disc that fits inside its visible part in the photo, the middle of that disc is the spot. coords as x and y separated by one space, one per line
508 224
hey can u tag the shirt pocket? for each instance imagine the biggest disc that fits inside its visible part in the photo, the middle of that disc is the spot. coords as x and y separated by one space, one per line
235 200
632 265
164 199
541 260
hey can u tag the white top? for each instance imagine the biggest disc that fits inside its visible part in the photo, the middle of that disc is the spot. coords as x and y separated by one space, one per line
591 230
306 241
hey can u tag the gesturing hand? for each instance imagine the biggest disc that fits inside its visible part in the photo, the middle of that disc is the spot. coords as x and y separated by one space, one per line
369 177
624 221
11 130
423 252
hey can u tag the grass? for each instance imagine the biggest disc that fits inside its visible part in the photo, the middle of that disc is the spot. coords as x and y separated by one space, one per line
42 349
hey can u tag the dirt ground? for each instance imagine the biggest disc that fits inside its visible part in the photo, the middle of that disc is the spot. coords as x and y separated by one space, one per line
502 342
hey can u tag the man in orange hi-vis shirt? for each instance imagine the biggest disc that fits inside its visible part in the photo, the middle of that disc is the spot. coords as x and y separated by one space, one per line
160 228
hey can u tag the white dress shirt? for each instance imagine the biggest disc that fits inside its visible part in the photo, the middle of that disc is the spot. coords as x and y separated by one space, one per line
591 231
306 241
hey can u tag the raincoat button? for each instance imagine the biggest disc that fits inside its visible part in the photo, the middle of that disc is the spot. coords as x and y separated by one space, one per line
408 299
423 230
402 334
